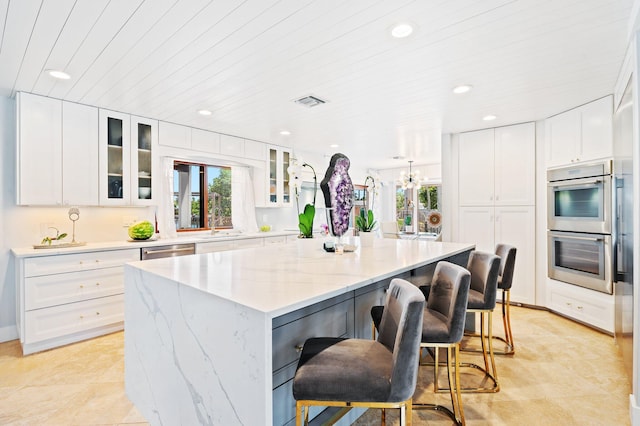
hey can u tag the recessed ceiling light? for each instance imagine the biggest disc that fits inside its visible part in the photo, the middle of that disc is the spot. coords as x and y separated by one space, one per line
285 133
398 157
489 117
59 74
204 112
334 145
401 30
463 88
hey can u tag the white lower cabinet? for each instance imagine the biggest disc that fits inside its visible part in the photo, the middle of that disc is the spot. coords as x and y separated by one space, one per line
514 225
582 304
67 298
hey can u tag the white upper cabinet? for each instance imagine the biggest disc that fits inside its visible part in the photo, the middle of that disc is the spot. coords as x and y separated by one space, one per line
203 140
476 167
497 166
79 154
39 150
174 135
271 185
115 158
515 171
231 145
581 134
57 152
254 150
144 161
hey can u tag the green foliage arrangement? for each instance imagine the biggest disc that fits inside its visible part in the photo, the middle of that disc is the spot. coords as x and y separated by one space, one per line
365 222
305 221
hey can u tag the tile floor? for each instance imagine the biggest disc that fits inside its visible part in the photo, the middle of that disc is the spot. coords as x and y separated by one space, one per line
563 373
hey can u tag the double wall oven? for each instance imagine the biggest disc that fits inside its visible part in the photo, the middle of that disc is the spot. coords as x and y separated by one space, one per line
579 221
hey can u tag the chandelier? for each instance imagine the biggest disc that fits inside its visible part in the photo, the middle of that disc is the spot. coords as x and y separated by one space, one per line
409 180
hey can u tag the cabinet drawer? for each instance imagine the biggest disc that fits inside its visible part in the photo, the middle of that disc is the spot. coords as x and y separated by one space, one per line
51 290
45 265
593 308
248 243
334 321
62 320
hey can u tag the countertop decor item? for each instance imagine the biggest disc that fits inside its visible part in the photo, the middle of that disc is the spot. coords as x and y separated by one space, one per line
74 215
337 188
305 219
141 230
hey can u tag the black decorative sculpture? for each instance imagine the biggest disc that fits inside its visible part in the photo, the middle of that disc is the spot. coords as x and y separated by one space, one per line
338 194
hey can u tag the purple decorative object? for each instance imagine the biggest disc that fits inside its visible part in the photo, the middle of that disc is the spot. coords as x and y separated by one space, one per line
338 193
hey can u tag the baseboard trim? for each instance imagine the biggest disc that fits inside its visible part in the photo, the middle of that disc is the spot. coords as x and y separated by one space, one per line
7 333
634 411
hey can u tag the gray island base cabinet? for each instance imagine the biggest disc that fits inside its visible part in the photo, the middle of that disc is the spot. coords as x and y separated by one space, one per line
215 338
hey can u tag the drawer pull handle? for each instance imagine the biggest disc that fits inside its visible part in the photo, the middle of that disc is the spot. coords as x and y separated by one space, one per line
579 307
299 348
97 313
81 316
97 283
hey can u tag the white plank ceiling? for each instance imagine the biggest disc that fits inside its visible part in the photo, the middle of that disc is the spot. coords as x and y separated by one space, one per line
247 61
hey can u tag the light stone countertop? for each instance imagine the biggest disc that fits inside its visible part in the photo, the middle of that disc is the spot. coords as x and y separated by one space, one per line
296 274
20 252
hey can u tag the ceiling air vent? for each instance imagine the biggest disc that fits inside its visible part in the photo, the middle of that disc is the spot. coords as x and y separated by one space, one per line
310 101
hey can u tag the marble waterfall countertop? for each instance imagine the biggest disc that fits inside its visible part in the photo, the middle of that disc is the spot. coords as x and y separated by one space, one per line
279 280
200 347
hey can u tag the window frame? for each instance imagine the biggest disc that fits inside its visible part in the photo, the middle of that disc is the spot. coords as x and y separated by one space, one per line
204 194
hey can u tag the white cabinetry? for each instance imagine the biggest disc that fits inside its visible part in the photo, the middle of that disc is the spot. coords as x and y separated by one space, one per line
79 154
203 140
497 197
68 298
128 163
174 135
144 161
581 134
497 166
57 152
272 187
115 158
39 150
588 306
231 145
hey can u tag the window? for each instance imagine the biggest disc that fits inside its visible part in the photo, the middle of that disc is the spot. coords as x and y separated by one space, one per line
429 198
201 196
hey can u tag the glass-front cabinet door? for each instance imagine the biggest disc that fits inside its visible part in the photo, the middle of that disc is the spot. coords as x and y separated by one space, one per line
279 189
115 164
144 134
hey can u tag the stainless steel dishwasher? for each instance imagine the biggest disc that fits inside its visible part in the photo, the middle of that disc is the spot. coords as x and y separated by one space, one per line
169 250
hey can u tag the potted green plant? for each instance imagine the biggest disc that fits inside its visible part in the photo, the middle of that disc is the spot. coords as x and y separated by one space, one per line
305 219
365 222
407 224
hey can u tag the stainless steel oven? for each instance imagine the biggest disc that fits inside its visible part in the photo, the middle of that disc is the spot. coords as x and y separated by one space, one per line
581 259
579 198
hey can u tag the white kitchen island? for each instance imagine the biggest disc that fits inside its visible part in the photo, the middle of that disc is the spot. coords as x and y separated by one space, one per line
213 338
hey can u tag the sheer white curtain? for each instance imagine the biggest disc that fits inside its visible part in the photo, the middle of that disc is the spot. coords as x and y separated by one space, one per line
243 204
166 221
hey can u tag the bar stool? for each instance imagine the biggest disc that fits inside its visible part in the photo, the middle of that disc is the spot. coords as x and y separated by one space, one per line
443 327
484 269
382 373
507 255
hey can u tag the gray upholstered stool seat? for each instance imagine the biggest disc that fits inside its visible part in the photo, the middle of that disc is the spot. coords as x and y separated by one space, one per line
443 327
344 369
484 268
382 373
507 255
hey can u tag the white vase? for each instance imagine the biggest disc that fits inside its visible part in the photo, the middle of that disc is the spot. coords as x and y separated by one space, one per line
366 239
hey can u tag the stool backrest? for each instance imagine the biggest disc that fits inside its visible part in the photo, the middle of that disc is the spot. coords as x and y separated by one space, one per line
484 268
401 332
507 255
448 295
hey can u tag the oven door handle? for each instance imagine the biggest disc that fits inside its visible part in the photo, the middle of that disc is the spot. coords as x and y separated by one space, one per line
568 237
575 183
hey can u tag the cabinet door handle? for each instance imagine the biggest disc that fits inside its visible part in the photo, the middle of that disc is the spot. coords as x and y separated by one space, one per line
579 307
97 284
81 285
299 347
